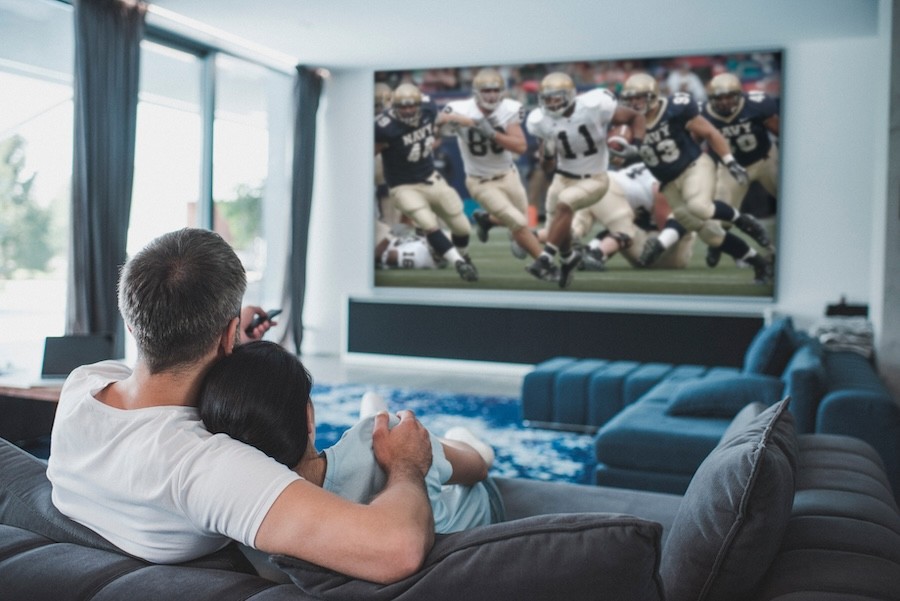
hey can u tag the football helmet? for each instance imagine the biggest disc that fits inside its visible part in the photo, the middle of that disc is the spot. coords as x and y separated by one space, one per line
406 102
725 93
556 93
640 92
488 87
382 97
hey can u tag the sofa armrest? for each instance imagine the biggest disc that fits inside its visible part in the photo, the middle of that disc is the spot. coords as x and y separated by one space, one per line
869 415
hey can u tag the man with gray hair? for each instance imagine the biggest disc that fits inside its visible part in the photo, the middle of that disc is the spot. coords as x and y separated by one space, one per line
131 460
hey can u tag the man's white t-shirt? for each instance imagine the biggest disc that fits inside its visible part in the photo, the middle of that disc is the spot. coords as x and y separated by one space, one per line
154 481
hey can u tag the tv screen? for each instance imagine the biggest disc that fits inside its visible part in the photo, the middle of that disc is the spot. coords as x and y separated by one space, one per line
635 176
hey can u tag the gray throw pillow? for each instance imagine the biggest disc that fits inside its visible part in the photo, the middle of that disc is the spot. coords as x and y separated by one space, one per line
549 557
734 513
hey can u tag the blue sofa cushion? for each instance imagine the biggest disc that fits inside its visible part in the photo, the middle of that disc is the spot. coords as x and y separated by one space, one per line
549 557
771 348
805 382
733 516
723 396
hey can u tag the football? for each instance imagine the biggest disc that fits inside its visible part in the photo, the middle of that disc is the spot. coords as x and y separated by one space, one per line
618 137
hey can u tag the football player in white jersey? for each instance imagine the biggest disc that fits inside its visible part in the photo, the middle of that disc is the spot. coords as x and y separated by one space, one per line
572 130
488 150
635 193
404 137
409 251
686 174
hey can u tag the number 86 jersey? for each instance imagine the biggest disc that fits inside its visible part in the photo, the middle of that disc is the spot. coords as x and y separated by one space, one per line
580 138
481 156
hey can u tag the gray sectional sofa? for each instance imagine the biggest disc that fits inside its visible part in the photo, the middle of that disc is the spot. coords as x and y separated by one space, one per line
769 515
654 423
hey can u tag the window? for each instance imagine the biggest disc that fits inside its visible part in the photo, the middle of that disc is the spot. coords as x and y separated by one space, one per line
36 138
246 150
206 156
168 144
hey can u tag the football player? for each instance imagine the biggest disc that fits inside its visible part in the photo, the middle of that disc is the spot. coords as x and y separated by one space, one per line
487 151
385 211
636 191
686 174
749 121
572 129
404 137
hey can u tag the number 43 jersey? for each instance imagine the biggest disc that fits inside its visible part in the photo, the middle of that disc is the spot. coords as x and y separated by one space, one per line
407 157
482 157
580 138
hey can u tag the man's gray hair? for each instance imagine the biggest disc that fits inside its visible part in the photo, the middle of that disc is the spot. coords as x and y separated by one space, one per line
178 294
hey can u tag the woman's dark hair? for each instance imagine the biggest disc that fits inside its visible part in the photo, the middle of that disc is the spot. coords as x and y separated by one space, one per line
259 395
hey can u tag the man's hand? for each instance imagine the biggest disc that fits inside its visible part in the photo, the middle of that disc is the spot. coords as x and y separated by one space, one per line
737 172
247 315
485 127
405 448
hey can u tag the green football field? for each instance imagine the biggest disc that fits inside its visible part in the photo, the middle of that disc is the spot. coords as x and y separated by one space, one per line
498 269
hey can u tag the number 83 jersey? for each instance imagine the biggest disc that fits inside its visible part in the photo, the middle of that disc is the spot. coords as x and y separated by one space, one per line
580 138
668 147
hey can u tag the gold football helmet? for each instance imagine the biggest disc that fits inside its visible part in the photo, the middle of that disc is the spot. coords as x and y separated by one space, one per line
556 93
488 87
406 103
725 93
640 92
382 97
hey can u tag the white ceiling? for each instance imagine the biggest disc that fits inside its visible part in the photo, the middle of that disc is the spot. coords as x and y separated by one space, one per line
325 33
386 34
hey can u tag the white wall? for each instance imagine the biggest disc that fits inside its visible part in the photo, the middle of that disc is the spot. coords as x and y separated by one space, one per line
834 139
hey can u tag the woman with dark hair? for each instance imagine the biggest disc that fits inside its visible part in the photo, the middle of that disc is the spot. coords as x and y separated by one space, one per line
260 395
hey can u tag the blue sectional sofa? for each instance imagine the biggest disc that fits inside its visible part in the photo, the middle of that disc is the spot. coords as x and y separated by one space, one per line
654 423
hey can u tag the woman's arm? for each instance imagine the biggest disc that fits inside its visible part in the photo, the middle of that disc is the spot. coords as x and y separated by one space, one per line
468 466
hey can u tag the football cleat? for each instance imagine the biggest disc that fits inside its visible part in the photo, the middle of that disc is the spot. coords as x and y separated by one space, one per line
482 224
543 269
567 269
763 269
749 225
593 260
466 269
713 254
653 250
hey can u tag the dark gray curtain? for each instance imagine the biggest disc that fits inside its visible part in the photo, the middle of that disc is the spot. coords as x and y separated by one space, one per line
108 34
308 90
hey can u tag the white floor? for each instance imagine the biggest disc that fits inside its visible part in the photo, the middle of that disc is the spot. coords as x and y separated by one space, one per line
463 377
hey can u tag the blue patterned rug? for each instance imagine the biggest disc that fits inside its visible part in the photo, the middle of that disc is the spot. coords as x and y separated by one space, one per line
520 452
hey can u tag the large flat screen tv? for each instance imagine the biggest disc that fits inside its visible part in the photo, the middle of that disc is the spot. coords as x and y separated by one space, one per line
735 94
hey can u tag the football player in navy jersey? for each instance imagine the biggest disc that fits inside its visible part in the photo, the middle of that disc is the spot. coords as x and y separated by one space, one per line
572 130
686 174
404 136
749 121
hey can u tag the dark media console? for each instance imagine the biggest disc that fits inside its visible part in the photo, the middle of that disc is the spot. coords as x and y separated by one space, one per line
529 336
